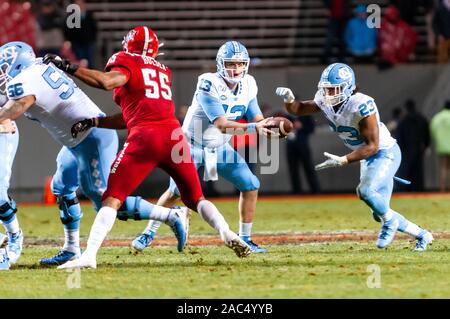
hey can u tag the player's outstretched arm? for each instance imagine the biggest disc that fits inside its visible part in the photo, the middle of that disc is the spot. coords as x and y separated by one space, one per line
232 127
296 107
98 79
15 108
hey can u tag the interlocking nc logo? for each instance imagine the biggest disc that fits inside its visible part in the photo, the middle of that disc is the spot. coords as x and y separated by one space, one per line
344 73
374 280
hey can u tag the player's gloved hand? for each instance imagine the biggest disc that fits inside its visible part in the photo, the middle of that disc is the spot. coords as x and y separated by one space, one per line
332 161
286 94
63 64
83 125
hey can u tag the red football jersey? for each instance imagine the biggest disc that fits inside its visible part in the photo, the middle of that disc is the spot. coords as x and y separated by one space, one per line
146 98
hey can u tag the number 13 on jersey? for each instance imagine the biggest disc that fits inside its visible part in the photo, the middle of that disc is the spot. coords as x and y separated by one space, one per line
156 84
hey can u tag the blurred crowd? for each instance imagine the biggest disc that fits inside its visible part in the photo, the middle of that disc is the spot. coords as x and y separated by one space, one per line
50 26
356 33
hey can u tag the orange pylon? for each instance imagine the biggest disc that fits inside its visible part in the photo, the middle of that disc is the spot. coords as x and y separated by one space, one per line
49 198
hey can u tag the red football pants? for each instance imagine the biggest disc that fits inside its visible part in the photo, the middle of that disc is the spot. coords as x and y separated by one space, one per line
150 147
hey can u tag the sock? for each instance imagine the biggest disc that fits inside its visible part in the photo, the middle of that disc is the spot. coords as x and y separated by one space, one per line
12 226
212 216
245 229
152 226
100 228
71 240
407 227
160 213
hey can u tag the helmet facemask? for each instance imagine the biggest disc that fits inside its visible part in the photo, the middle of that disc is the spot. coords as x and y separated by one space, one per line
232 75
333 93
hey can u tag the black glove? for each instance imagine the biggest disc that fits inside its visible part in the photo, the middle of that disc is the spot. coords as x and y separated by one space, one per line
82 126
62 64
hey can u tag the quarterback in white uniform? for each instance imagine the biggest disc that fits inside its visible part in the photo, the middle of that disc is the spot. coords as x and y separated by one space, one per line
221 99
354 117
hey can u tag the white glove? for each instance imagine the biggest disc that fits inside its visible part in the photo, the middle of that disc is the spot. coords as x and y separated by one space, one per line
286 94
332 161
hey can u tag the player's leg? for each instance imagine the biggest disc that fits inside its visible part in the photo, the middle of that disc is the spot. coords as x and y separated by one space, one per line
422 236
186 178
95 156
8 207
167 199
377 171
234 169
133 163
64 185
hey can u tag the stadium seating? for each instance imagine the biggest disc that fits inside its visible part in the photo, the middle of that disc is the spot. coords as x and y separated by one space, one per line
277 33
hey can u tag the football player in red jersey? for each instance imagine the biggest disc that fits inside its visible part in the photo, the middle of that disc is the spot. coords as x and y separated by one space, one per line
142 88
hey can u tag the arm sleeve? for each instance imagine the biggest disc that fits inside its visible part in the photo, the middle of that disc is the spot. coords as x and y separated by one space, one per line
253 110
211 106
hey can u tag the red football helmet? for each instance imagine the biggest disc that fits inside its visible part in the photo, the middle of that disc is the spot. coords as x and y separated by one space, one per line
141 40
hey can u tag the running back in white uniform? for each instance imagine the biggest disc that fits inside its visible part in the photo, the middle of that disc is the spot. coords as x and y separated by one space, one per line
346 120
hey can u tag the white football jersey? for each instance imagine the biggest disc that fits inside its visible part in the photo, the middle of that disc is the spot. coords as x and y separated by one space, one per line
59 102
198 126
346 120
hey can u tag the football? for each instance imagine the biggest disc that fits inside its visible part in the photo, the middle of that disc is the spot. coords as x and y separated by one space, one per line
283 125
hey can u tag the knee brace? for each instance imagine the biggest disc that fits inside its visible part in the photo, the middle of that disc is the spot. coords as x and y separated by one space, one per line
130 209
8 210
69 209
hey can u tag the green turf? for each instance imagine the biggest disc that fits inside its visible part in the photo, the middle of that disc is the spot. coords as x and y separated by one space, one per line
318 270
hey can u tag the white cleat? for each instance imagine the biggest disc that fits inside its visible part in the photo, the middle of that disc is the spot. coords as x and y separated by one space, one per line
82 262
233 241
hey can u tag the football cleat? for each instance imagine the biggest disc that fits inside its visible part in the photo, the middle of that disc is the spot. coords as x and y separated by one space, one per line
233 241
4 260
142 241
14 247
84 261
60 258
3 240
180 227
254 247
423 241
387 232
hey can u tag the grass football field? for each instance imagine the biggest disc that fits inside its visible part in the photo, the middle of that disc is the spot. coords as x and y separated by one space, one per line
318 248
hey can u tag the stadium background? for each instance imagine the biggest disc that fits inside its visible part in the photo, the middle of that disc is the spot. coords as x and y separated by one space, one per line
285 40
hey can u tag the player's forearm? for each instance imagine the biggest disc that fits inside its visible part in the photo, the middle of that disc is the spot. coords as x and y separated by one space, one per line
115 122
362 153
232 127
13 109
301 107
92 78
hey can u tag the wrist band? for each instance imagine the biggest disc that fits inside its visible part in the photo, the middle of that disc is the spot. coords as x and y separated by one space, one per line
251 127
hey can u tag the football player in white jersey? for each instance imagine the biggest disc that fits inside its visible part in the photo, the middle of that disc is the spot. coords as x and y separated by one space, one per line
221 99
9 140
45 94
354 117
